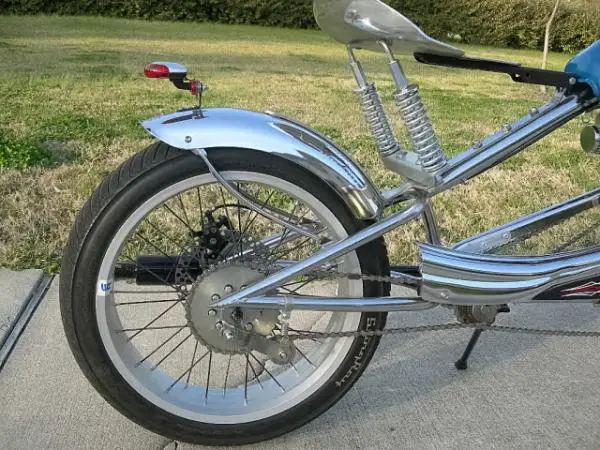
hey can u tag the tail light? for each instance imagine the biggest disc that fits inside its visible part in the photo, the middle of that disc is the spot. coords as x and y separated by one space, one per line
176 74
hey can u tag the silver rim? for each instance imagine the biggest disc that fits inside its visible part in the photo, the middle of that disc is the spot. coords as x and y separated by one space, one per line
168 366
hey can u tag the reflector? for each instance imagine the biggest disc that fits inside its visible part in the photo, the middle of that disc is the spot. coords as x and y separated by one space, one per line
156 71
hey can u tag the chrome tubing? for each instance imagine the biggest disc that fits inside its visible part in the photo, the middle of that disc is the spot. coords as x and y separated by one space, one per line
457 278
490 240
315 303
327 253
514 138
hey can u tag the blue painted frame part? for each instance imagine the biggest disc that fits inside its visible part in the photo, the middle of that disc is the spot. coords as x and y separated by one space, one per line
586 65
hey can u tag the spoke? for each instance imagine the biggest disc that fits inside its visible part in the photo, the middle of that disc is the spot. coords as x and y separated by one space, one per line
178 218
290 283
159 347
162 233
256 376
146 240
187 380
225 204
267 370
171 239
166 327
154 320
303 355
208 377
187 219
187 371
295 291
286 230
171 352
147 301
250 222
142 292
226 376
200 208
239 215
294 367
274 257
246 226
246 382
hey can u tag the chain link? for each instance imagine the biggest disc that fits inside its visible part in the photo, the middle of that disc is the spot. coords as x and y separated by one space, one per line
299 335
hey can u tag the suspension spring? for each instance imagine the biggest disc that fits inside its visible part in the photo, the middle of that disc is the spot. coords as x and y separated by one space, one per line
378 120
420 129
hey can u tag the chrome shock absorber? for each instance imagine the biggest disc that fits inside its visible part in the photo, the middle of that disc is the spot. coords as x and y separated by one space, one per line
372 107
420 128
425 142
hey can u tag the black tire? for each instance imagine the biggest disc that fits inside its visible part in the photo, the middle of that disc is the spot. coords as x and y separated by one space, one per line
135 181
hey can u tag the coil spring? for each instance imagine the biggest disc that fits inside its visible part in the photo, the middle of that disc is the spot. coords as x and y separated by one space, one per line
378 120
420 129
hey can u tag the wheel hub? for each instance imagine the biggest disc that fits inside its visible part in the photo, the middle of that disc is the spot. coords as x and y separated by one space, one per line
231 329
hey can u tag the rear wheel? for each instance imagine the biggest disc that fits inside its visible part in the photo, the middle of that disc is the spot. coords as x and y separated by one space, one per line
159 242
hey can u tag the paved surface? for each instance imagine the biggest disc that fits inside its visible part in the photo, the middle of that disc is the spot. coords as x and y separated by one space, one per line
15 288
519 392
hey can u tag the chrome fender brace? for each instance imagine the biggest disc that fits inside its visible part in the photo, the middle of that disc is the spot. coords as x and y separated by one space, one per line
214 128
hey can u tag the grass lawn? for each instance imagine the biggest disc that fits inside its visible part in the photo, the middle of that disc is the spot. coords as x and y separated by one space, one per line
74 87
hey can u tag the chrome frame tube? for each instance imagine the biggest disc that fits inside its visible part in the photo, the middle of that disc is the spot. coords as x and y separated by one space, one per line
458 278
497 237
316 303
511 141
327 253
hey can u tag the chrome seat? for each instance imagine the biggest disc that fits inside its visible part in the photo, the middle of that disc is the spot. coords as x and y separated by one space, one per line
362 23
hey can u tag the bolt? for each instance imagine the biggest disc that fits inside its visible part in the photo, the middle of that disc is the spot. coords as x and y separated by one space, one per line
208 251
212 312
243 286
283 355
444 295
188 139
213 241
228 335
534 111
572 81
228 289
248 326
507 127
219 325
215 297
478 144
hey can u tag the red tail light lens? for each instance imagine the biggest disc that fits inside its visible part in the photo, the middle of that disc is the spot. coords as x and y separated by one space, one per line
156 71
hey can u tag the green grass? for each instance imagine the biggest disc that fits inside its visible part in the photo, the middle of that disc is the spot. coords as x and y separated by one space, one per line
74 87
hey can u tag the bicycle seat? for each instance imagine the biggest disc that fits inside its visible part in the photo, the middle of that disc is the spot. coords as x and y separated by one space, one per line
362 23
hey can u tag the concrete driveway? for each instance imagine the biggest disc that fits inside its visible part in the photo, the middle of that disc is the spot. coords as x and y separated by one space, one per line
520 391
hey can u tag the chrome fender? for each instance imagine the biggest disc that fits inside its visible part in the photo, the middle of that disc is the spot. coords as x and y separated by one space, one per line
223 127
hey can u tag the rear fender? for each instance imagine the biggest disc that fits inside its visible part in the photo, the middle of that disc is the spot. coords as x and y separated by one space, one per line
223 127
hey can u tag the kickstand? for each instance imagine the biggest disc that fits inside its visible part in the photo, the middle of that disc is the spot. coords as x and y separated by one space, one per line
461 364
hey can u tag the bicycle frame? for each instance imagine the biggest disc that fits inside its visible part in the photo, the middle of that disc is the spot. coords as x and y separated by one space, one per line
475 160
